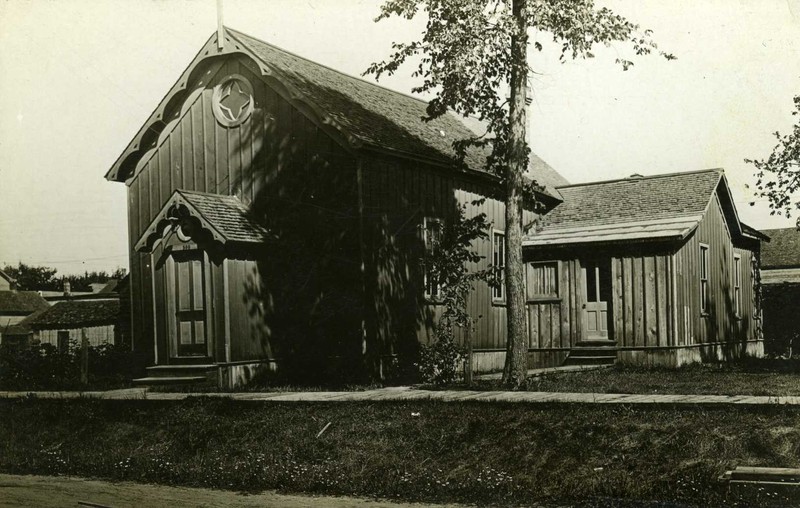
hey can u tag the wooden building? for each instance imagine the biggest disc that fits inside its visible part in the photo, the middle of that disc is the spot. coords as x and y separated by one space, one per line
658 268
278 213
63 324
15 308
780 279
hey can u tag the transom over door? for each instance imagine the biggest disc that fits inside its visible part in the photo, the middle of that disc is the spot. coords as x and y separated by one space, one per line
187 304
595 309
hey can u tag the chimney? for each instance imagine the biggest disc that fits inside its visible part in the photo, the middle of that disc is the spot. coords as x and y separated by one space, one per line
67 291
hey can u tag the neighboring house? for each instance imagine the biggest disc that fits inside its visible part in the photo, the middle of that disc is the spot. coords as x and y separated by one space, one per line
66 321
281 210
15 308
17 305
659 267
780 258
780 278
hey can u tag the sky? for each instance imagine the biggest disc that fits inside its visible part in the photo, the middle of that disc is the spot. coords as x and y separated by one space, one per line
79 77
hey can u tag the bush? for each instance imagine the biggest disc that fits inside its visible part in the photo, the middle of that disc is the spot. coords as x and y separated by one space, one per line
44 367
439 363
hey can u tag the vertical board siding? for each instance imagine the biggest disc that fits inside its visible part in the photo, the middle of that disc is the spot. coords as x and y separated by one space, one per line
721 324
200 154
641 305
397 196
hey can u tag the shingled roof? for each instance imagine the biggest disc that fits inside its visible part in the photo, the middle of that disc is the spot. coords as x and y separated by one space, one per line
21 303
75 314
367 114
783 249
226 218
636 208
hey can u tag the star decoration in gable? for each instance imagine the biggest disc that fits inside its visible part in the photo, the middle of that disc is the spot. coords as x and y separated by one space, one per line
234 101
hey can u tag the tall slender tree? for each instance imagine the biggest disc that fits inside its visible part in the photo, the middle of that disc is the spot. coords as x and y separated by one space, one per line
473 57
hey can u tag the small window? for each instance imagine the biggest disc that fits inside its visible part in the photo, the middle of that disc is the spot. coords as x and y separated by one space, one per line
737 284
704 267
499 262
543 280
432 230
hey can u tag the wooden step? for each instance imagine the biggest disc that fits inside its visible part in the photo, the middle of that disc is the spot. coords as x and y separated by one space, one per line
169 380
594 351
180 370
590 360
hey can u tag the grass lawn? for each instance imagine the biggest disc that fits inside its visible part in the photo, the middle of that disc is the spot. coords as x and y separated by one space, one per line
777 378
489 454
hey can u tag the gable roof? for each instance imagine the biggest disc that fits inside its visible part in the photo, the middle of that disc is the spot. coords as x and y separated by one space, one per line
21 303
783 249
76 313
225 217
369 115
668 206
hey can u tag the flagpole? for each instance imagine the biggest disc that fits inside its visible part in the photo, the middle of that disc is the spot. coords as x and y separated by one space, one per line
220 27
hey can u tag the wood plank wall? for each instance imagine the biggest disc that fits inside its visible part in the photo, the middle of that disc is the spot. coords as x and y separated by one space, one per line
642 300
556 323
656 292
719 325
397 196
199 154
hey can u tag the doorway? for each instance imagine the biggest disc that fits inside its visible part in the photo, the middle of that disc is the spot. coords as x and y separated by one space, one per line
596 313
186 300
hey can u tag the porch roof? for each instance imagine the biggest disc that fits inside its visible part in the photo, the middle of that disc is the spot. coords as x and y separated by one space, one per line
675 228
226 218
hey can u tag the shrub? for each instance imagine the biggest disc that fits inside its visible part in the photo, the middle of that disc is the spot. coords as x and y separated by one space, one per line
440 362
44 367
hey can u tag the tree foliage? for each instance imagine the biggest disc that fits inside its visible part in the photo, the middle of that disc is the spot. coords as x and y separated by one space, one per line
448 263
778 176
465 56
472 57
43 278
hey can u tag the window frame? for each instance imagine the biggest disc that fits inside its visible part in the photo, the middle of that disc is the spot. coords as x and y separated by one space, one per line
704 276
430 296
498 292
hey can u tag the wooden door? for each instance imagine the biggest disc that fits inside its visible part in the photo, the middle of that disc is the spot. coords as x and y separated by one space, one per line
595 309
186 298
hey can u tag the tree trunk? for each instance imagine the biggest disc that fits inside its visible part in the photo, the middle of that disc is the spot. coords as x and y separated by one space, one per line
516 366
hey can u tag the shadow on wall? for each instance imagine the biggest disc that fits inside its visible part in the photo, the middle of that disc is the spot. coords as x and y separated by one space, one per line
326 298
732 333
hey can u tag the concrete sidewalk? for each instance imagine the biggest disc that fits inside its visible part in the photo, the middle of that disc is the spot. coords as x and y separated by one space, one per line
404 394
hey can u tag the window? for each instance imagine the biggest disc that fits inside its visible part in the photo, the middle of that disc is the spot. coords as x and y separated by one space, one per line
542 280
704 296
432 237
737 284
499 262
63 341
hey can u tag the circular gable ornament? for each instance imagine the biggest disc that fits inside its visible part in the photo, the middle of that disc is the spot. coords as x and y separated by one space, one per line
232 100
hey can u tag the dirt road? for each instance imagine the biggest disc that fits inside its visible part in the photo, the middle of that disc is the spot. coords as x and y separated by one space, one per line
62 492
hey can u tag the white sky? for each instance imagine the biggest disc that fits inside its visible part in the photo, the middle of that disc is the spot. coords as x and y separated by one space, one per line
78 78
